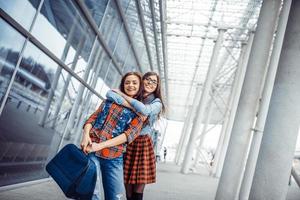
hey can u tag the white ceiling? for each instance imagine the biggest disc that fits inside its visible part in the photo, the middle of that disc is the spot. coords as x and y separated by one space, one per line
191 28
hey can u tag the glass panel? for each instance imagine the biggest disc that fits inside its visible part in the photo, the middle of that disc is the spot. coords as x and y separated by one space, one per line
63 106
92 102
111 25
99 65
25 145
63 30
11 43
117 81
125 4
18 9
26 148
136 30
130 64
150 33
96 9
104 66
122 47
111 76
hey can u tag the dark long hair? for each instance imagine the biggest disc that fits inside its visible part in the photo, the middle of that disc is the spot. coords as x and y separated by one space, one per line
157 92
137 74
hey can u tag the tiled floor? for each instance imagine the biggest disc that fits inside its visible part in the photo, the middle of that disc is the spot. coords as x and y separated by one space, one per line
171 185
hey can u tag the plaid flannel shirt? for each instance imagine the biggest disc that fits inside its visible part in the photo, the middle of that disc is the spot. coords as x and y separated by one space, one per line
111 120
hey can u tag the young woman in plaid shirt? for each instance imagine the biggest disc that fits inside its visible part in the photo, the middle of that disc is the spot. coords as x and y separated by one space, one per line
139 160
112 125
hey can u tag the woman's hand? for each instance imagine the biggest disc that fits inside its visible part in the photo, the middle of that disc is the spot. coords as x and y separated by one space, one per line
94 147
97 146
144 118
85 143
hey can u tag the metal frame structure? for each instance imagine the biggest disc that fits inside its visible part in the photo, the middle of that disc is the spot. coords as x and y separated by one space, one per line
37 43
191 29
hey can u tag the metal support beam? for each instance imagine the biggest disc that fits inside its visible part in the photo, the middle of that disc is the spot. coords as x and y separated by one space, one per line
12 22
212 71
44 49
296 176
230 114
187 124
71 120
248 102
151 4
281 130
162 9
58 73
142 21
264 103
96 30
129 35
185 133
204 130
59 102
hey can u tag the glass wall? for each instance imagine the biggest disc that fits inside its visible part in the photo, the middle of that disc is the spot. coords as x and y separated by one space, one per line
11 43
18 9
26 145
48 99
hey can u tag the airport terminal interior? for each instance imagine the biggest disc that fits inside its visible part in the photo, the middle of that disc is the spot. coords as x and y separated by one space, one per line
230 79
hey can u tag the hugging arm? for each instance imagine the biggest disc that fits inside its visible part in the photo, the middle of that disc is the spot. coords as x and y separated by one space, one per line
144 109
118 99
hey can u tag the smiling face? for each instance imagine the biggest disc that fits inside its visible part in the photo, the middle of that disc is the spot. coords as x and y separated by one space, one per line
131 85
150 84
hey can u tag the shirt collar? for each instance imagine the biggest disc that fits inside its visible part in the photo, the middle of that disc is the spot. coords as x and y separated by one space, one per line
149 99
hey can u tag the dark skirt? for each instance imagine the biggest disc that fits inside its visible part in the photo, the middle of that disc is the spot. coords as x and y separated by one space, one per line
139 161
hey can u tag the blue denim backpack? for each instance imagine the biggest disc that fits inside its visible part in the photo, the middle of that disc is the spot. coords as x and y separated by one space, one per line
74 172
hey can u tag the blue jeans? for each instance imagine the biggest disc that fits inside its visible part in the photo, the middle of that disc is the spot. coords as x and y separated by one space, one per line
110 171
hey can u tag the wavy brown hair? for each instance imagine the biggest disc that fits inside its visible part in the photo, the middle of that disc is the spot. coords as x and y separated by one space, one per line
157 92
137 74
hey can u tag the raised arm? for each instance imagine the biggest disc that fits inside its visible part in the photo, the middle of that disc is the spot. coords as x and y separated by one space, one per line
118 99
145 109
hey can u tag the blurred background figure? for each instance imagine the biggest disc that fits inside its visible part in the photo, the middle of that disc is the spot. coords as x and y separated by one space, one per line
165 153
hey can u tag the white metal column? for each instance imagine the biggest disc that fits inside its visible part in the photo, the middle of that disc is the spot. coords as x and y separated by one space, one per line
232 107
264 105
282 125
204 129
185 133
240 136
212 71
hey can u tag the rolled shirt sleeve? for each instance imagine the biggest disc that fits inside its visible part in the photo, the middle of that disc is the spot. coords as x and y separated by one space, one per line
134 129
146 109
112 96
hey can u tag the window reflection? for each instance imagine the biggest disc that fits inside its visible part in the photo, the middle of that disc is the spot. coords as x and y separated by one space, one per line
11 43
122 47
111 25
25 145
130 64
43 93
111 76
18 9
61 28
96 9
